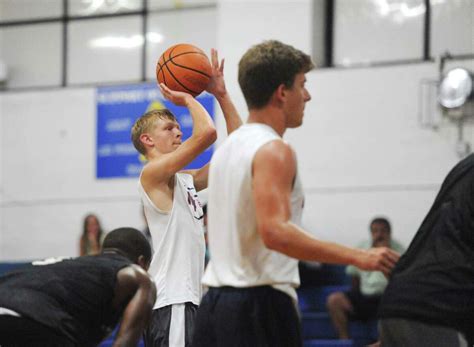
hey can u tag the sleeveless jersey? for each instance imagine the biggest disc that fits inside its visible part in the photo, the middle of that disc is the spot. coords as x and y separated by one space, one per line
72 297
239 258
178 242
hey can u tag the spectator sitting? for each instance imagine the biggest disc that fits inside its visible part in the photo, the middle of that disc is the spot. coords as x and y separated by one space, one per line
362 301
92 236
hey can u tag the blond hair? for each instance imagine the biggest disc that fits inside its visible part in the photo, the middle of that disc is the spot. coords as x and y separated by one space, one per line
145 123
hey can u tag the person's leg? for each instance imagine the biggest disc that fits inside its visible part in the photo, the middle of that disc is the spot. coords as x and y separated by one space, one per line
282 324
250 317
339 307
158 331
177 326
366 307
190 311
409 333
204 334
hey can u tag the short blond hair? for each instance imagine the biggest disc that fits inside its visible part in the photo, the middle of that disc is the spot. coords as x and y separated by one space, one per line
145 123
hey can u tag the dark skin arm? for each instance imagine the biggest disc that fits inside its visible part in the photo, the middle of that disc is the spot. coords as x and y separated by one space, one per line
136 291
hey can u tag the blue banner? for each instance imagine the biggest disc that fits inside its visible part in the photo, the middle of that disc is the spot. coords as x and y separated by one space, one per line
118 108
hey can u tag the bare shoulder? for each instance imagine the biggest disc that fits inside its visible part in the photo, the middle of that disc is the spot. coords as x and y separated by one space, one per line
134 275
130 280
155 182
159 170
151 172
276 152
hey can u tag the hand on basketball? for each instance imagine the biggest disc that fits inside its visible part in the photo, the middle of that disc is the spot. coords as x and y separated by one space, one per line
379 259
177 98
216 85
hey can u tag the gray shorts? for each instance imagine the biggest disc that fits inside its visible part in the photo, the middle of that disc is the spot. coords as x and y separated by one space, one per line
395 332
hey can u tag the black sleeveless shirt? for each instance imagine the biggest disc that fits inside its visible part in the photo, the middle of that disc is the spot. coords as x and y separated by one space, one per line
434 280
73 296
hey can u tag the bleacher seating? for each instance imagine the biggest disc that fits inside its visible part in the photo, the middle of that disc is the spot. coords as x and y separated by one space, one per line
317 328
109 341
10 266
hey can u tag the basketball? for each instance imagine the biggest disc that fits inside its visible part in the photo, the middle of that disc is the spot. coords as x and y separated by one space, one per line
185 68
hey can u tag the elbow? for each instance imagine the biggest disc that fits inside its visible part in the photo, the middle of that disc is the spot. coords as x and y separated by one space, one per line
272 238
208 136
211 134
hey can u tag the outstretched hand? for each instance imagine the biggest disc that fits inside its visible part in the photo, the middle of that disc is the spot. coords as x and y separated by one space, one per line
177 98
379 259
216 85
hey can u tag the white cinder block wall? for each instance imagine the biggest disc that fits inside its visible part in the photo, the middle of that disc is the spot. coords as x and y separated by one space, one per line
361 150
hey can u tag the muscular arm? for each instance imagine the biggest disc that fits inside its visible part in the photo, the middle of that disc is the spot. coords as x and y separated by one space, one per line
136 291
275 163
231 116
203 135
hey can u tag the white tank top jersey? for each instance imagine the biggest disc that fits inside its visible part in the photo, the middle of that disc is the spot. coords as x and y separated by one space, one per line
177 265
239 258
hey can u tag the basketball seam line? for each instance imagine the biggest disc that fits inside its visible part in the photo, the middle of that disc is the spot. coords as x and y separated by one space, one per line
172 75
189 68
178 55
162 72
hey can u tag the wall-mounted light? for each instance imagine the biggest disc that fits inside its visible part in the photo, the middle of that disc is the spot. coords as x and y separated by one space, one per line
455 96
455 89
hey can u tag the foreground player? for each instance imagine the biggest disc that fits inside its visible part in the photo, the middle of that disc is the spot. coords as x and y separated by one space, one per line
78 302
172 210
255 205
429 300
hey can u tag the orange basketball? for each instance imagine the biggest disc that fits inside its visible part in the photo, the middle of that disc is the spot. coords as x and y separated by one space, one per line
184 67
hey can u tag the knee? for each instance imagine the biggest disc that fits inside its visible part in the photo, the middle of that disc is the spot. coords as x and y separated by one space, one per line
335 301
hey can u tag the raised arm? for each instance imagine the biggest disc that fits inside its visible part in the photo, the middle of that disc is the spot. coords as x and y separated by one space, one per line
232 118
203 135
275 163
217 88
136 291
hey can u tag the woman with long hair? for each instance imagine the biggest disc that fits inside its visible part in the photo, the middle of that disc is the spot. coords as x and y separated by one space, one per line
92 235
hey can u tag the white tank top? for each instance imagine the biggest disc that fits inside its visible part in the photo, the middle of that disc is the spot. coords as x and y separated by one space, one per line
239 257
177 265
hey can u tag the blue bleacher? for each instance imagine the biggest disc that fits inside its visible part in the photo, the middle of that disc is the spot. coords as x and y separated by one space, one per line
10 266
109 341
317 327
328 343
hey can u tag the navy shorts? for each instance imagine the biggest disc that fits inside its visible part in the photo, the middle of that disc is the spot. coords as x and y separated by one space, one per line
247 317
365 306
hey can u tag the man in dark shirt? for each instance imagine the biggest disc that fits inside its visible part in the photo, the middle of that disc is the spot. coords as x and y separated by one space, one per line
78 302
429 300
